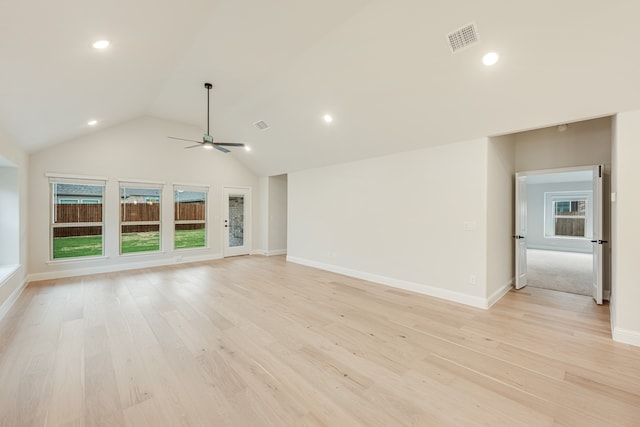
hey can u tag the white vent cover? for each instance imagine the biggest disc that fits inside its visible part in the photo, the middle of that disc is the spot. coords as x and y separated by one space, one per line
262 125
463 37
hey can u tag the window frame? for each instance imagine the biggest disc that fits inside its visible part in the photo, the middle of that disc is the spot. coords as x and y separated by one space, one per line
550 200
143 185
55 179
178 188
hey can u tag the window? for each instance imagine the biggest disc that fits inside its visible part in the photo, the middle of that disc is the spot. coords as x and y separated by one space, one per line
190 213
139 217
568 214
76 229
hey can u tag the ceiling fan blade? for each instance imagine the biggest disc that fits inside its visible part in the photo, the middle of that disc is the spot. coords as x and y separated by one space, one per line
229 144
217 147
193 146
182 139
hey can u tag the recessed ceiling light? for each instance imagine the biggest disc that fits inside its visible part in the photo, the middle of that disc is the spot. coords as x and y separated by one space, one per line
101 44
490 58
247 148
327 118
92 122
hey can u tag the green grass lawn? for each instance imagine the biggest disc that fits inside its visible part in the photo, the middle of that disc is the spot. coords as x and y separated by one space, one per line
140 242
71 247
189 239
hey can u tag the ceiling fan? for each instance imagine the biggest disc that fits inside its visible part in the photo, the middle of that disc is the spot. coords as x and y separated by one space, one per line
207 139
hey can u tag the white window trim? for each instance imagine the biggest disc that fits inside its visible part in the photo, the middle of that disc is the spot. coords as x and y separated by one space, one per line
196 189
57 178
149 185
563 196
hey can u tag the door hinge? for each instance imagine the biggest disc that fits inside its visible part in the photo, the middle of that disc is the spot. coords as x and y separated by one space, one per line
599 171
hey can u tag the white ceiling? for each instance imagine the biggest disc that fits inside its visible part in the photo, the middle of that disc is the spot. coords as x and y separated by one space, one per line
383 69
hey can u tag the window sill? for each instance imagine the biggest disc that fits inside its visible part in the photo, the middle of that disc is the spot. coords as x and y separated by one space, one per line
199 248
6 271
137 254
74 260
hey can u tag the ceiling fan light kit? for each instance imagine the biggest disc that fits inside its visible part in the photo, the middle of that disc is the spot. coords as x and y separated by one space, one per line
207 139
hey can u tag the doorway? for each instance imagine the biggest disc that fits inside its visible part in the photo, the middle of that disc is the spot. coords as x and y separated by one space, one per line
559 230
237 221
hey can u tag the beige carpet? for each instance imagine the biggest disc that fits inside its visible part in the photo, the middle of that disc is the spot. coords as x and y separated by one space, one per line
561 271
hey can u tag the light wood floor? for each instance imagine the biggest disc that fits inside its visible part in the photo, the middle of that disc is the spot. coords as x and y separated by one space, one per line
255 341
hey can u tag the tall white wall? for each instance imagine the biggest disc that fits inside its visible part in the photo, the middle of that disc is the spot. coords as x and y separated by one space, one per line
137 150
14 231
261 245
398 220
277 214
625 293
500 215
535 218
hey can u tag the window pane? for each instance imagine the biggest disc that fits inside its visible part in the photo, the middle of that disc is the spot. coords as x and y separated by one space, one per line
189 205
139 204
71 242
573 227
189 236
190 209
571 208
140 238
74 204
236 221
66 198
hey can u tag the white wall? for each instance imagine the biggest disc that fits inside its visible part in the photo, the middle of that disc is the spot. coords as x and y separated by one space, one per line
625 293
262 220
582 144
398 220
277 215
14 233
134 150
9 216
535 218
500 215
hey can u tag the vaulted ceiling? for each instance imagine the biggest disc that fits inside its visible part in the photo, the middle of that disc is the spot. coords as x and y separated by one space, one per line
382 69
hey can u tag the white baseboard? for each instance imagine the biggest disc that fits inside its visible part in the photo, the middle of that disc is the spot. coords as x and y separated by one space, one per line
269 253
626 336
397 283
6 306
495 297
181 259
277 252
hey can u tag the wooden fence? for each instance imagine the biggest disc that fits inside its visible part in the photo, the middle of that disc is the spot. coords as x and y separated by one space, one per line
129 212
74 213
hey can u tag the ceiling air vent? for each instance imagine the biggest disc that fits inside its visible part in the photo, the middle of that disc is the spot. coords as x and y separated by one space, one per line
261 125
463 37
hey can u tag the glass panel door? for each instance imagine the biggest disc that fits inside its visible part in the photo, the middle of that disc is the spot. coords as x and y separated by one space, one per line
237 221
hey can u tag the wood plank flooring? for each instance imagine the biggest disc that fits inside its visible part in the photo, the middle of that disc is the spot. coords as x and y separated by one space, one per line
256 341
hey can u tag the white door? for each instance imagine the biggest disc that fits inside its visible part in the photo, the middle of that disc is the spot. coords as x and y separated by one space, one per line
520 236
596 238
237 221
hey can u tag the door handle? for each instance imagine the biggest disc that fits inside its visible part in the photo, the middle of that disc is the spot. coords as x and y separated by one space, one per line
600 242
518 237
